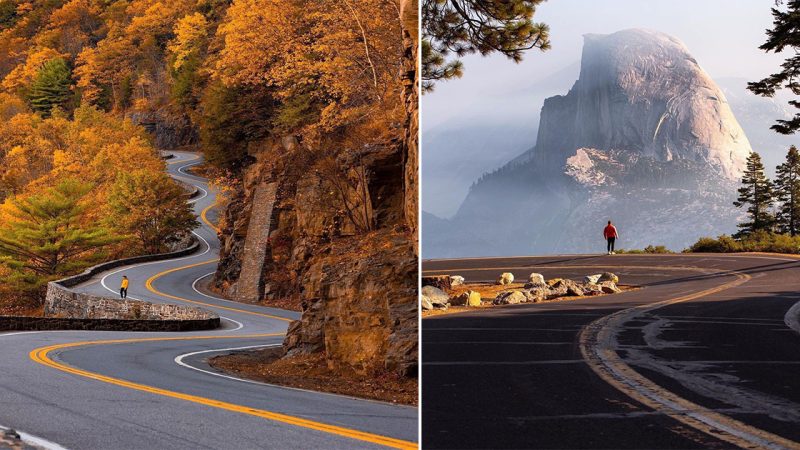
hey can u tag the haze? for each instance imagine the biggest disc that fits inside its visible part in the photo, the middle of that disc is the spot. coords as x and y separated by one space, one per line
477 123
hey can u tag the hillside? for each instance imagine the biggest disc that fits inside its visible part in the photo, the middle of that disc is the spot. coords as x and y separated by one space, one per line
316 99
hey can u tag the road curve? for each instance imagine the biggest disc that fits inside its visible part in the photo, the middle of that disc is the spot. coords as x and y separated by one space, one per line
705 355
126 390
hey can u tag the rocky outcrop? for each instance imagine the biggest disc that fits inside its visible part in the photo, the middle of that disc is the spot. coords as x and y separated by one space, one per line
644 137
285 238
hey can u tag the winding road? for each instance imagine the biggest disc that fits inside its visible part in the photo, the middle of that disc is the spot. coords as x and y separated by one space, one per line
706 354
127 390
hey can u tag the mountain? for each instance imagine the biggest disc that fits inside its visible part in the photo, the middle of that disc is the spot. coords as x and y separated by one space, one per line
644 137
460 150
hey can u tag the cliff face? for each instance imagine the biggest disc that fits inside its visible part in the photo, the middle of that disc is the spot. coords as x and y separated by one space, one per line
285 238
644 138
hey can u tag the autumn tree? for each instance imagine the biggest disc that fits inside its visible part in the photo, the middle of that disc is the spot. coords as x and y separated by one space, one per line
785 34
151 207
757 194
52 87
787 190
462 27
47 234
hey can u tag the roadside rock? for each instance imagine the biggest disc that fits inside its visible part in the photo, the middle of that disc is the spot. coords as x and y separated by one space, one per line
592 279
469 298
609 287
608 276
505 278
436 296
426 303
536 278
553 282
570 287
442 282
456 280
510 298
591 289
536 295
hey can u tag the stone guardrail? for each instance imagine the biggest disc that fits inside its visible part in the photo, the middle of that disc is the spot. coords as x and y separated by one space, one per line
67 309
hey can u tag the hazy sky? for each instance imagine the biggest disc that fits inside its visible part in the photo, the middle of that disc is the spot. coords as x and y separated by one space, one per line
723 35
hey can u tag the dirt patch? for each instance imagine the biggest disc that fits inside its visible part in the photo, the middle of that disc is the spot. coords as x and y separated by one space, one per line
489 291
289 303
11 309
311 372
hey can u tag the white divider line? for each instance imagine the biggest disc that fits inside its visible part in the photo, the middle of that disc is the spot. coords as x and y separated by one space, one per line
179 360
35 440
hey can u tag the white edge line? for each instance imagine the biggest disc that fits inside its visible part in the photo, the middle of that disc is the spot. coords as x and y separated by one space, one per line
240 324
792 317
103 280
35 440
179 360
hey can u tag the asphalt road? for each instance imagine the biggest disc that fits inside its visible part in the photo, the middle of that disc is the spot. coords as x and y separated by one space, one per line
705 355
155 390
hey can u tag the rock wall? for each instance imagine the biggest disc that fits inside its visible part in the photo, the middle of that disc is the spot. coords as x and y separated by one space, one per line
65 303
357 289
409 16
66 308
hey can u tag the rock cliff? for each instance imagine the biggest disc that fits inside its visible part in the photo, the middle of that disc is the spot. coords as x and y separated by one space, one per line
644 138
284 238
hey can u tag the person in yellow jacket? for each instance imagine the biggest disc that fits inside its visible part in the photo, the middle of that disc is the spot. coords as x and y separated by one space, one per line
123 289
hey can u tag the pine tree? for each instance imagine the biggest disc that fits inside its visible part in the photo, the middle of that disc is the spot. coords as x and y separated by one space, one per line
757 192
51 87
787 190
49 234
785 33
464 27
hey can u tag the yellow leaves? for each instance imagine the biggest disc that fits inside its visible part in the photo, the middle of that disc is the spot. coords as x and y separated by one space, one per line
22 75
341 59
190 35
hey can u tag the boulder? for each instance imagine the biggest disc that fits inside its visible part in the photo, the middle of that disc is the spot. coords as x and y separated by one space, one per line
425 303
608 276
569 287
505 278
436 296
536 278
469 298
591 289
553 282
438 281
592 279
535 285
536 295
609 287
510 298
456 280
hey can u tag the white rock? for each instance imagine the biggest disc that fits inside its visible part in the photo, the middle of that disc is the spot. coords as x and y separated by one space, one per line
505 278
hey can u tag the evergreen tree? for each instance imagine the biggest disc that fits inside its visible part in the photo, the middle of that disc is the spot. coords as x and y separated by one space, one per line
476 26
787 190
51 87
785 33
757 192
49 234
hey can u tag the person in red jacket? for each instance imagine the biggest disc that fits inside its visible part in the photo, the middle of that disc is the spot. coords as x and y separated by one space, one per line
610 233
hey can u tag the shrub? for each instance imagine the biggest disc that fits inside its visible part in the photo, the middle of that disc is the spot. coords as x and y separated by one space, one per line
759 241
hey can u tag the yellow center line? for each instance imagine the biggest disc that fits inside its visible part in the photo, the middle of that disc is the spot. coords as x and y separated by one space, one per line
41 356
149 286
196 157
204 217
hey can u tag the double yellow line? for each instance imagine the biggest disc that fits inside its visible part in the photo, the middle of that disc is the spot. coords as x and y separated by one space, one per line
41 356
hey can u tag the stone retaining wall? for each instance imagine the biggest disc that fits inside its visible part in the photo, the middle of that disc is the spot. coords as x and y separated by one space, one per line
14 323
